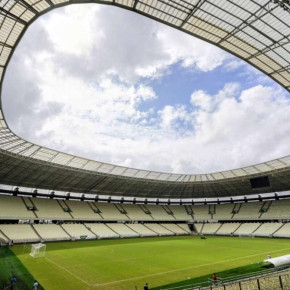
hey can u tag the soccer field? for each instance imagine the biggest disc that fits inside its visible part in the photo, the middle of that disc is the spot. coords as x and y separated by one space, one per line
126 263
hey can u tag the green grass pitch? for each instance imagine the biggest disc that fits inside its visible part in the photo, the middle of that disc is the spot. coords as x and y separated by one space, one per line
126 263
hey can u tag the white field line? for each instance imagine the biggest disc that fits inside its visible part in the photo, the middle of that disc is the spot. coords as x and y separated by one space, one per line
68 271
186 268
161 273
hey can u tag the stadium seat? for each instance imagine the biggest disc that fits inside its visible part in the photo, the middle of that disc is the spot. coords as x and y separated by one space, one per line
51 232
160 230
102 231
142 230
175 229
78 231
13 208
228 229
20 233
267 229
82 211
210 229
123 230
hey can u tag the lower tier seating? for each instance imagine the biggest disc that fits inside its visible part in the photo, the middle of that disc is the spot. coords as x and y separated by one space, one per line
268 229
142 230
123 230
228 229
102 231
283 232
185 228
78 231
175 228
20 233
51 232
210 229
160 230
246 229
3 239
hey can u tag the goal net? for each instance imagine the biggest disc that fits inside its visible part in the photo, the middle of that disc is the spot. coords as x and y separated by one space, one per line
38 250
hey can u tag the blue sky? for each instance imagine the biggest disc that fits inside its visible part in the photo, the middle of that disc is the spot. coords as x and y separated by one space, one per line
107 84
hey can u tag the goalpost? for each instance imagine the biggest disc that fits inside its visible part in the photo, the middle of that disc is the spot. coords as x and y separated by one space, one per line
38 250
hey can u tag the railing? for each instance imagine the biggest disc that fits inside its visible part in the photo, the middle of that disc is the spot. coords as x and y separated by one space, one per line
239 280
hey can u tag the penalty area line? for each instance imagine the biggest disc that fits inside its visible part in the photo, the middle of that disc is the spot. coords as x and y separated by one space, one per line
187 268
68 271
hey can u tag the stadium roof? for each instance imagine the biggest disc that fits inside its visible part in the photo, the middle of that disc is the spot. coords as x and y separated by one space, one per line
258 32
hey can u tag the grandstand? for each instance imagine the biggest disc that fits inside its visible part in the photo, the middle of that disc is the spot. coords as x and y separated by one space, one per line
19 233
142 230
64 217
46 195
247 229
102 230
51 232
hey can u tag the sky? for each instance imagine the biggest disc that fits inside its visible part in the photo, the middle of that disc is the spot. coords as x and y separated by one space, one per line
104 83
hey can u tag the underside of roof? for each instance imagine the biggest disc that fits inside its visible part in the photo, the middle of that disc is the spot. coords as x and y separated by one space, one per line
258 32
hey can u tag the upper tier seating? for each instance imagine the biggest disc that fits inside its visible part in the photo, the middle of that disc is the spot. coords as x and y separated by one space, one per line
247 228
134 212
158 212
77 231
49 209
278 210
102 231
201 212
267 229
51 232
142 230
123 230
14 208
110 212
227 229
175 228
160 230
58 209
283 232
82 210
224 212
210 229
20 233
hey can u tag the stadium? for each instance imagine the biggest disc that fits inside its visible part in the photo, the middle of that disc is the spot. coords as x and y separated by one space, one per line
73 223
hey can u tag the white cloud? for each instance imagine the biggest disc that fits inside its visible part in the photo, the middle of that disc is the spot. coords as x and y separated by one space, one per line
70 32
100 40
83 92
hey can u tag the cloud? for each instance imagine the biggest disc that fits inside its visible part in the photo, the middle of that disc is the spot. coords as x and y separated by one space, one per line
101 41
84 87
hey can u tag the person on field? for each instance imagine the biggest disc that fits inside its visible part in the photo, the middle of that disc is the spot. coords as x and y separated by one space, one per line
269 256
214 278
35 285
146 287
12 282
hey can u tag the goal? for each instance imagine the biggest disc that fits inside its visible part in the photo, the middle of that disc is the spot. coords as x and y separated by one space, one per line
38 250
